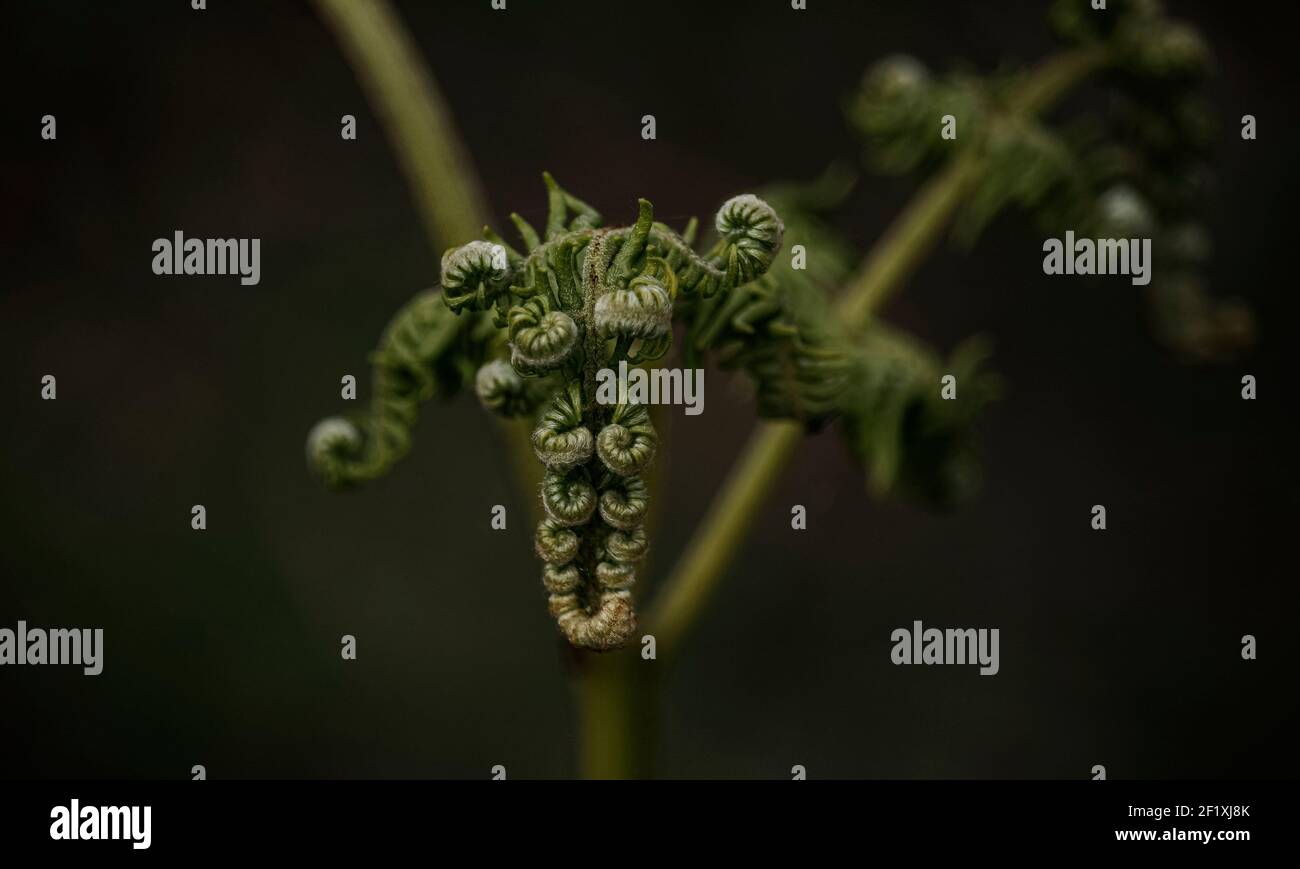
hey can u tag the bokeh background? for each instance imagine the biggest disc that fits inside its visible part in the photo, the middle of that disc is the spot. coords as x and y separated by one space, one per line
222 648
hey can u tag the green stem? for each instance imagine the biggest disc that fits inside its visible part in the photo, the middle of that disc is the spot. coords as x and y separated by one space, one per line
1055 77
692 583
907 241
403 94
916 231
608 723
900 250
910 238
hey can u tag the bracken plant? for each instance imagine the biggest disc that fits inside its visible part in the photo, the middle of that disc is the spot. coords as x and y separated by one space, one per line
531 330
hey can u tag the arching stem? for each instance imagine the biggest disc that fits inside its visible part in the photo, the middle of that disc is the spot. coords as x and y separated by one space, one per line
907 241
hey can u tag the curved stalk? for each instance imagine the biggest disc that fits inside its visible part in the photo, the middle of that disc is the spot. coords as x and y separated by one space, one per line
414 114
692 583
893 259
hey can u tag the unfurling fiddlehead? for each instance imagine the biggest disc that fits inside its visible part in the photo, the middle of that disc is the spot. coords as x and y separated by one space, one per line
778 329
425 352
473 274
560 439
582 298
540 339
501 390
1071 180
881 386
627 444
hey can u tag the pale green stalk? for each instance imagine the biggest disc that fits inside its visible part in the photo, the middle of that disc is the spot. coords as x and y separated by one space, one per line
414 114
909 239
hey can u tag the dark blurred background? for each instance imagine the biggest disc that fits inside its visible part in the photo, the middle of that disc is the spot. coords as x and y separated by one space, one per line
222 648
